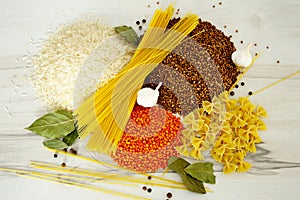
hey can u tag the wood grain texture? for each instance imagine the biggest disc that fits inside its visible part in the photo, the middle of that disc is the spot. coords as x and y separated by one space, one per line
276 171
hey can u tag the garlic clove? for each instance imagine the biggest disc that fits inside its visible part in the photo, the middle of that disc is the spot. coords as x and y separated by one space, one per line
147 97
242 58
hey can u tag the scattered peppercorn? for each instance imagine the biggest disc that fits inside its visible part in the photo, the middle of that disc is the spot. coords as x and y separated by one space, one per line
63 164
157 2
55 155
149 177
255 44
231 93
65 149
178 9
169 195
250 93
140 27
144 21
225 26
73 151
220 3
236 30
213 6
278 61
256 54
148 6
242 41
236 86
177 13
137 22
149 190
242 83
267 47
144 188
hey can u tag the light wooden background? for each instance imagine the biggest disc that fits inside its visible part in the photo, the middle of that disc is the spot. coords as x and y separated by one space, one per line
273 23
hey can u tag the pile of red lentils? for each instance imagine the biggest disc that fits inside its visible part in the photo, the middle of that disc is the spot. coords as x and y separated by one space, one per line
149 139
196 70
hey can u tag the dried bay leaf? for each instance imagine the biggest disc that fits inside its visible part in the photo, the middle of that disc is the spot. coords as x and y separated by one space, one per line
128 33
192 184
202 172
70 138
53 125
55 144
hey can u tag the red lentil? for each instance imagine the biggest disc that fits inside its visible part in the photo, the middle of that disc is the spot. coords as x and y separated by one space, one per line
149 139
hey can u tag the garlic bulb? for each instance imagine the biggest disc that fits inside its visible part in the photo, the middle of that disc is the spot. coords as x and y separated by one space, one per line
242 58
147 97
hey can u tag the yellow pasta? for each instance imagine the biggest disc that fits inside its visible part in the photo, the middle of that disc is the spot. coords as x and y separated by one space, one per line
106 113
231 132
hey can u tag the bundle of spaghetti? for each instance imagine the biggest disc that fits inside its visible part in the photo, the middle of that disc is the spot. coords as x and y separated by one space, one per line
106 112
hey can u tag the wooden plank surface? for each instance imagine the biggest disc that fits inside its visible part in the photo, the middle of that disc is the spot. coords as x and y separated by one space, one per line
276 172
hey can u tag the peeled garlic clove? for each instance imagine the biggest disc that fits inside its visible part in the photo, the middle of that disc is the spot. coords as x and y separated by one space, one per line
147 97
242 58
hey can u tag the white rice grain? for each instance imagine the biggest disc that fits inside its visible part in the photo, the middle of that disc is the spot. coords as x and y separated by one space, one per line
62 55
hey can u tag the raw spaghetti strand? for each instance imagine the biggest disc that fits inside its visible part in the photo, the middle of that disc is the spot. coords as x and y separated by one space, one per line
113 166
275 83
58 179
104 112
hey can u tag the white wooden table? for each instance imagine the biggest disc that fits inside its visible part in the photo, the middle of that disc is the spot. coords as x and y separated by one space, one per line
276 173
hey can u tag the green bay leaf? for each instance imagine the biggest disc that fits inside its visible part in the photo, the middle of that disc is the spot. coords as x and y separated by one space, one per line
202 172
54 125
55 144
192 184
70 138
128 33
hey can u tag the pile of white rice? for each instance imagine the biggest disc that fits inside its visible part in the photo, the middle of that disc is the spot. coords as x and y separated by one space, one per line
88 48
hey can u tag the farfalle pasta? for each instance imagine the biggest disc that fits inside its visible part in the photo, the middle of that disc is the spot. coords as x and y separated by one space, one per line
227 127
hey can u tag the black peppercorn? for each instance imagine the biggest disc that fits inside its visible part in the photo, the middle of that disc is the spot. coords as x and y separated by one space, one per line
137 22
149 177
231 93
250 93
55 155
140 27
149 190
169 195
144 188
144 21
242 83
